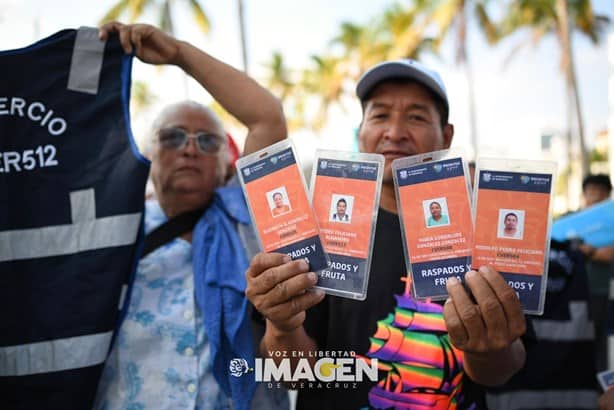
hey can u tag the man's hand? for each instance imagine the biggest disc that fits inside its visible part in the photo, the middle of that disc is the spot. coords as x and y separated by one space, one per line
488 329
606 401
150 44
279 289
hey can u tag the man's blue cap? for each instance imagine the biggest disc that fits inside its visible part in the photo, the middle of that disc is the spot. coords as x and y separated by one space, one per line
401 69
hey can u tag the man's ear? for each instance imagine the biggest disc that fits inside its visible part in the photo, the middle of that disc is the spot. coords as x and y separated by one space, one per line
448 134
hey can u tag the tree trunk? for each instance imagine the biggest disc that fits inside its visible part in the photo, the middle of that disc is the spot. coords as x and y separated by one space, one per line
243 38
580 120
472 109
462 57
571 81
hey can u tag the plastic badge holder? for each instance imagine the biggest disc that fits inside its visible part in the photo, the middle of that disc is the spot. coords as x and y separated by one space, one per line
345 192
606 379
432 192
513 217
275 190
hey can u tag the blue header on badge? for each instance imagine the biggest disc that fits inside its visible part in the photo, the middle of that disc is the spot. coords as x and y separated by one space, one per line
275 162
347 169
515 181
431 171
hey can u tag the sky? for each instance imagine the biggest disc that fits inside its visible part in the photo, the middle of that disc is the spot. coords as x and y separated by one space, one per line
516 102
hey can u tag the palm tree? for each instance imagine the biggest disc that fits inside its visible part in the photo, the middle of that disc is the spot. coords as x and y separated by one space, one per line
136 8
561 18
290 92
449 16
360 45
243 36
403 32
141 96
279 78
325 82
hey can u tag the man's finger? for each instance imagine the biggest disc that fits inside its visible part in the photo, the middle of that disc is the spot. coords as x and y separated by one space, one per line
295 305
456 330
491 310
290 288
263 261
468 312
512 307
279 274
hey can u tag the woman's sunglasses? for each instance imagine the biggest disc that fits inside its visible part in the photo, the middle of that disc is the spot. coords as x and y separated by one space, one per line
177 138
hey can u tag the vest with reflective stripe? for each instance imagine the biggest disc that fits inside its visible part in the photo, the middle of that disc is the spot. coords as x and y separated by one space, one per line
72 187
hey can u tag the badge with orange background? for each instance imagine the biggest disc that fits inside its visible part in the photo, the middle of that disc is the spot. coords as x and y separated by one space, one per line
435 212
512 220
345 198
283 218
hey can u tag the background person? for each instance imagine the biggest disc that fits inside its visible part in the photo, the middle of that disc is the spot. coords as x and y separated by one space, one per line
564 339
596 189
174 348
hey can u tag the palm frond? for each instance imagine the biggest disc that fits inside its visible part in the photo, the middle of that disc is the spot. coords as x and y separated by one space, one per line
200 17
115 12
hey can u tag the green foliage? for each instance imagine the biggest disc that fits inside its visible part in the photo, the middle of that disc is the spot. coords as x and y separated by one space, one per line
135 9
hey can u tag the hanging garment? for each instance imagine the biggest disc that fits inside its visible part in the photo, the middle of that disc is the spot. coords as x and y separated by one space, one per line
72 187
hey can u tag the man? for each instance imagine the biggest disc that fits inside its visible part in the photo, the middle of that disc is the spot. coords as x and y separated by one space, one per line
280 207
595 189
340 215
436 218
171 348
405 112
510 225
564 339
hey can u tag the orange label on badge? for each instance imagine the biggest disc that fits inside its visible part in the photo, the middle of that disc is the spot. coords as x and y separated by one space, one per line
448 234
345 214
281 208
436 219
511 230
512 217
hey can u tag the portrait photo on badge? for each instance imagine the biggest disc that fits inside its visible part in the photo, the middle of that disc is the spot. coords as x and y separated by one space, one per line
341 208
436 212
511 224
279 202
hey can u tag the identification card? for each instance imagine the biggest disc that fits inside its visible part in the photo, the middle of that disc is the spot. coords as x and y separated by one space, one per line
345 189
513 217
274 187
606 379
432 193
